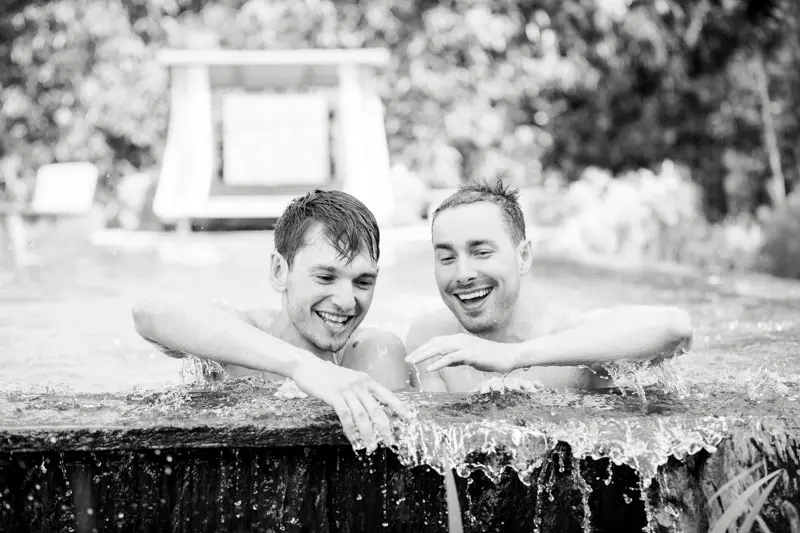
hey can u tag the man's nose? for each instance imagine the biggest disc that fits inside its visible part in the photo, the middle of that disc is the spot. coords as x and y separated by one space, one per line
344 297
465 273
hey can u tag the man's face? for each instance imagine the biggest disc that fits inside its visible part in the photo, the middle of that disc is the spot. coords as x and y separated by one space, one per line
476 265
327 297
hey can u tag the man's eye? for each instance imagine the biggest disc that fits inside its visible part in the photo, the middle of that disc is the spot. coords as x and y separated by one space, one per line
483 253
365 284
446 260
325 279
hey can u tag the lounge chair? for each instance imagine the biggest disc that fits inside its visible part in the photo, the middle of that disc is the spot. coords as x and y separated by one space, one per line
60 190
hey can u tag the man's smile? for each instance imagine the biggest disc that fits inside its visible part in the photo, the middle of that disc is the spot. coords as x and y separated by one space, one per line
335 322
473 299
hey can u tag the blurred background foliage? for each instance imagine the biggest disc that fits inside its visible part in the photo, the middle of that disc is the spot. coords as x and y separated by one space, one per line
600 96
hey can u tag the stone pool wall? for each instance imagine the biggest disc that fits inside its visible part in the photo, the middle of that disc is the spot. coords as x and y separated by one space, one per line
240 460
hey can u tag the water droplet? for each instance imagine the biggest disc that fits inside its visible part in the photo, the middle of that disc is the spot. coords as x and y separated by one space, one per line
169 458
627 498
157 452
52 440
385 524
168 471
90 511
120 516
359 497
30 497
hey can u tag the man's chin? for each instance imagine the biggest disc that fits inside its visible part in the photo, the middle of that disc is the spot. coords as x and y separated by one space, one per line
331 345
475 327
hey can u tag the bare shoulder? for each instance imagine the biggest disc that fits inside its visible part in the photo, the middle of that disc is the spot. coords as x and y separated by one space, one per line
379 353
372 336
430 325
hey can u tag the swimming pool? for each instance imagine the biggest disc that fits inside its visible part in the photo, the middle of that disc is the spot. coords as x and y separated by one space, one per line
66 324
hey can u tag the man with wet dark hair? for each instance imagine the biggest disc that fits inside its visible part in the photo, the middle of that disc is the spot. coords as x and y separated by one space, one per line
495 325
325 266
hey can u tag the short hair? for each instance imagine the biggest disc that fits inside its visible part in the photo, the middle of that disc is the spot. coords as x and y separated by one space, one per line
347 224
506 198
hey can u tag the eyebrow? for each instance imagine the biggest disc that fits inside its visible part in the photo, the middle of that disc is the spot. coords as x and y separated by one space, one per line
473 243
335 271
481 242
326 269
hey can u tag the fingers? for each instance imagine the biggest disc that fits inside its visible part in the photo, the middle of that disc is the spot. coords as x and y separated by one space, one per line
363 423
452 359
432 348
385 396
378 418
346 418
363 417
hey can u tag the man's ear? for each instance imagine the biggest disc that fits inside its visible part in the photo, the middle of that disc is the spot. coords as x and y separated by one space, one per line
278 272
525 255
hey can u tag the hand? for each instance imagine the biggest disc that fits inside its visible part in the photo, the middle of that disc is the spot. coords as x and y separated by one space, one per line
355 397
465 349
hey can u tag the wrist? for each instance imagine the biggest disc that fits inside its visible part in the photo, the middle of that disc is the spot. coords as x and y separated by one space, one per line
525 354
300 363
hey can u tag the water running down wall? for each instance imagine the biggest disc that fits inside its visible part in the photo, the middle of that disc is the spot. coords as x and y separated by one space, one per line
236 458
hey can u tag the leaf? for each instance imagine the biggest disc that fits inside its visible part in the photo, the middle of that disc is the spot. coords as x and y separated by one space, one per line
740 505
739 477
747 525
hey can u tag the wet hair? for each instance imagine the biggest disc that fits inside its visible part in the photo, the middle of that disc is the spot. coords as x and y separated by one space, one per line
347 224
499 194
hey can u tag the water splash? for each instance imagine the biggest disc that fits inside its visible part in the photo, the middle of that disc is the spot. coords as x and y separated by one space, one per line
585 490
640 375
199 369
641 442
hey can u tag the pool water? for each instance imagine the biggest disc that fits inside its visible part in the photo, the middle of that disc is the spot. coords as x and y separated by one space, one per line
65 323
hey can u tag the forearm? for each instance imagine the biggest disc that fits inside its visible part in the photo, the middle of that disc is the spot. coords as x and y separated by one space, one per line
209 331
634 333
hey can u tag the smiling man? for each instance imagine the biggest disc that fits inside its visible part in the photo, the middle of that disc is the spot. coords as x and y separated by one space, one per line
494 323
325 266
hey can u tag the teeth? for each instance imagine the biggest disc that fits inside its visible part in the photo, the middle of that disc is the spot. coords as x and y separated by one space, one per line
339 319
474 294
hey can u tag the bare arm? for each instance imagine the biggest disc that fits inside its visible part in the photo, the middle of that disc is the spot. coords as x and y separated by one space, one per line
637 333
211 332
206 330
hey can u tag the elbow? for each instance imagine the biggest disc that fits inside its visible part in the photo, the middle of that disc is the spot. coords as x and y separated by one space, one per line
145 316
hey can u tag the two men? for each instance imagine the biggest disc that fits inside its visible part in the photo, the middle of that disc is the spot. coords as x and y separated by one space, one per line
325 267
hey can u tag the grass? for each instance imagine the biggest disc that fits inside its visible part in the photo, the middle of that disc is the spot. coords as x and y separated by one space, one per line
749 503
